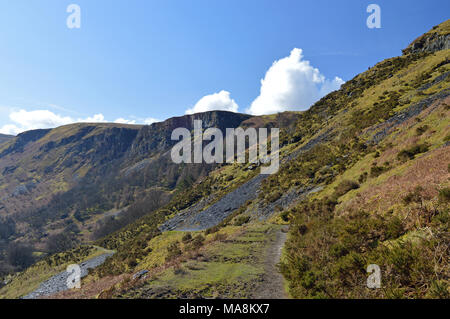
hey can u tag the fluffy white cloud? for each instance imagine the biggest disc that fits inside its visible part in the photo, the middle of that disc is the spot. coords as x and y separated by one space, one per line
23 120
28 120
146 121
291 83
213 102
97 118
124 121
151 120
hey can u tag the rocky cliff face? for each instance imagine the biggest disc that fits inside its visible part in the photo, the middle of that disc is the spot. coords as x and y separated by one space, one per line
80 172
157 137
38 166
432 43
22 140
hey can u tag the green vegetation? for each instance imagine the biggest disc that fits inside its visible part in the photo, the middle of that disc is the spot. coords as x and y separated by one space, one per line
409 153
328 255
364 171
331 243
228 264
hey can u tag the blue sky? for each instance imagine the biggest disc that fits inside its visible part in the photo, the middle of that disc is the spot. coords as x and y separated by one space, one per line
138 60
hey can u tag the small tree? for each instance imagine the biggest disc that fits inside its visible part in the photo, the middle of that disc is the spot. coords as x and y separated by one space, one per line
173 251
19 255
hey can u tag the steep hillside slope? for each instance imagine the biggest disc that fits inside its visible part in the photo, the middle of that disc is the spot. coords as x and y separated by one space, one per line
388 204
364 179
4 138
80 182
348 186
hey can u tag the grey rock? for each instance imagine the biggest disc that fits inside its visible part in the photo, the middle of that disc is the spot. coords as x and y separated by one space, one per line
412 111
58 283
429 43
140 274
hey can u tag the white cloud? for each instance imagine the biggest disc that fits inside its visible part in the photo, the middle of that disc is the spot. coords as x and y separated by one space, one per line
97 118
125 121
23 120
151 120
28 120
291 83
216 101
39 118
10 129
146 121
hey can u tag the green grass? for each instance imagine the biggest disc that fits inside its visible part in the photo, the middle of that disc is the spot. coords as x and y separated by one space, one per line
158 249
207 274
224 268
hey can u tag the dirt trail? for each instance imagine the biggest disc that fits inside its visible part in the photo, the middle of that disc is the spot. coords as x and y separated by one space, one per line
272 284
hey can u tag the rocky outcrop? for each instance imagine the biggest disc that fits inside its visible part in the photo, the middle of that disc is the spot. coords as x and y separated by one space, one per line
289 199
197 218
430 42
383 129
23 139
214 214
156 138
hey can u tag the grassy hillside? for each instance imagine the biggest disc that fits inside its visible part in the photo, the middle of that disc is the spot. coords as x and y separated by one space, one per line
386 199
4 138
370 208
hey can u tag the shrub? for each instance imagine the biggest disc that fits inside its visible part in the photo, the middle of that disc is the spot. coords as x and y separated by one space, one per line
178 270
212 230
7 228
363 177
376 171
81 216
285 216
409 153
273 196
414 196
19 255
186 238
220 237
173 251
421 129
338 250
444 195
196 243
439 289
60 242
394 228
241 220
344 187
